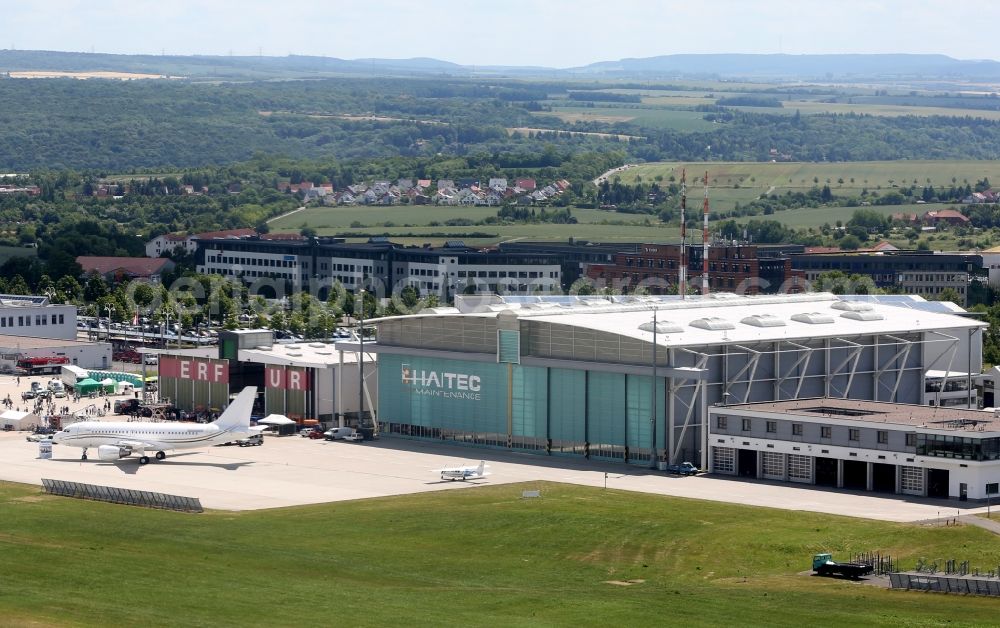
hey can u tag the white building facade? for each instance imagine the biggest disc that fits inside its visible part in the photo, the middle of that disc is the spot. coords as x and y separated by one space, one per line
860 445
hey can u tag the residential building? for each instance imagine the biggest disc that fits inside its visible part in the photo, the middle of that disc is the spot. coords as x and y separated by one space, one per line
118 269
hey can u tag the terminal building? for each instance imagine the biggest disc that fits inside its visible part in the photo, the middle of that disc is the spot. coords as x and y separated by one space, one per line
631 379
927 451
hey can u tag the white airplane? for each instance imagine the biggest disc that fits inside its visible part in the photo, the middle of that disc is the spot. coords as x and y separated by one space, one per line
115 440
464 473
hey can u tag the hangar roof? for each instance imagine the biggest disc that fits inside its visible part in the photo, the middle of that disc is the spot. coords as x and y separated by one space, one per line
723 318
307 354
930 417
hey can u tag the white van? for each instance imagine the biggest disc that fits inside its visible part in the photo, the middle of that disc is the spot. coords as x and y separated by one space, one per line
56 388
338 433
150 358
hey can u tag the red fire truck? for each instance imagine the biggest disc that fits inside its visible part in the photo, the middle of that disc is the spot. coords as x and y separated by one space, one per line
41 366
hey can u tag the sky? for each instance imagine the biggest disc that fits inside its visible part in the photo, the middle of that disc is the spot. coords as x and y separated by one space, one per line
550 33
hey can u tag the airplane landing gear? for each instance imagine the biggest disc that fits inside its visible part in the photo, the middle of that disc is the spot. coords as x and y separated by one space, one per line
143 459
84 455
160 455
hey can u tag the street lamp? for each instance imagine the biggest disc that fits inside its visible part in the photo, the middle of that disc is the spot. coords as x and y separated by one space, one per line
108 309
163 338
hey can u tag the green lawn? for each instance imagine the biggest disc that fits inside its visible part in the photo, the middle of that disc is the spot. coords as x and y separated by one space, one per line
479 556
594 225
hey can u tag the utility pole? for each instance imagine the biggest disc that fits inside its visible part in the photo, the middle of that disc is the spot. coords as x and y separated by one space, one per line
682 272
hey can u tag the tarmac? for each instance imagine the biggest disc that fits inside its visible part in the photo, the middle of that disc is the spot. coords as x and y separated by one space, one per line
291 470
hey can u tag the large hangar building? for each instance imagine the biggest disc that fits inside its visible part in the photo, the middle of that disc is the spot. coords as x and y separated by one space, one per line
575 375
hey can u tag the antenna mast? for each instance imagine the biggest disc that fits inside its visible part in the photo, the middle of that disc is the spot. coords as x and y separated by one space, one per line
683 268
704 241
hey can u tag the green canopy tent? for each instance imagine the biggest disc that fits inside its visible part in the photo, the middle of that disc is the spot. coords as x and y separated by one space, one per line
108 385
87 386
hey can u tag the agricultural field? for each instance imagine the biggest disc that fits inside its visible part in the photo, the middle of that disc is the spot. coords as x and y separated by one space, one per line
643 115
844 178
661 105
810 107
594 225
576 556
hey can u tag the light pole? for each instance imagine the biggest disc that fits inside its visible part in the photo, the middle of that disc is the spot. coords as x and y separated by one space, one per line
163 329
108 308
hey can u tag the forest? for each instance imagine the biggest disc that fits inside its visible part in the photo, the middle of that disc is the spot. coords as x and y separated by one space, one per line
125 126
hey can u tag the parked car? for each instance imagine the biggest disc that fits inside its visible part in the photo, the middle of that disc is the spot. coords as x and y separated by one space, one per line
338 433
355 437
684 468
307 432
315 435
251 441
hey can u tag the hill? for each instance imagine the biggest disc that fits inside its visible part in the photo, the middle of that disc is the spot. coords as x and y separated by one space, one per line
841 67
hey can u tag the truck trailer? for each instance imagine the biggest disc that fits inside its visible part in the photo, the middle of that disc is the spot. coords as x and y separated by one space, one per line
824 565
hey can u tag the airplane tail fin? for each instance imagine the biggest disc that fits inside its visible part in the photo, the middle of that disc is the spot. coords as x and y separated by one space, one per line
237 416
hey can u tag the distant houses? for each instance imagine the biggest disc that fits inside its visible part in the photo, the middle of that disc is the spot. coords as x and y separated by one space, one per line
448 192
933 219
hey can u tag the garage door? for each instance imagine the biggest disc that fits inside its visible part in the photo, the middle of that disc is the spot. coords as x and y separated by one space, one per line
800 468
911 480
724 460
772 465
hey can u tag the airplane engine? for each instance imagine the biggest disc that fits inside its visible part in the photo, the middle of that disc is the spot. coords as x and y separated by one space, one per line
110 453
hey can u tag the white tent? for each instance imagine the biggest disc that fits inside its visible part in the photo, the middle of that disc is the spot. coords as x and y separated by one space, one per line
124 388
17 420
275 419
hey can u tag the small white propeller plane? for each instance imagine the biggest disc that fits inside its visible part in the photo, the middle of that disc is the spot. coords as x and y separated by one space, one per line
465 473
115 440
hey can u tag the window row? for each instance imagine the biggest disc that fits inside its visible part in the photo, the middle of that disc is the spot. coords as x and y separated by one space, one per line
25 321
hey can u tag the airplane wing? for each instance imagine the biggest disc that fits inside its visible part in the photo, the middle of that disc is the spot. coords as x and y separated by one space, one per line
139 446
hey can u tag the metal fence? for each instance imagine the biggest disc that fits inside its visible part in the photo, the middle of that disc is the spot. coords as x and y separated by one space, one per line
122 496
946 584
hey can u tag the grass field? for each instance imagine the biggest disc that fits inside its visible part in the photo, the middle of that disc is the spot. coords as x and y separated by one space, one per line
336 220
799 176
576 556
647 116
661 105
